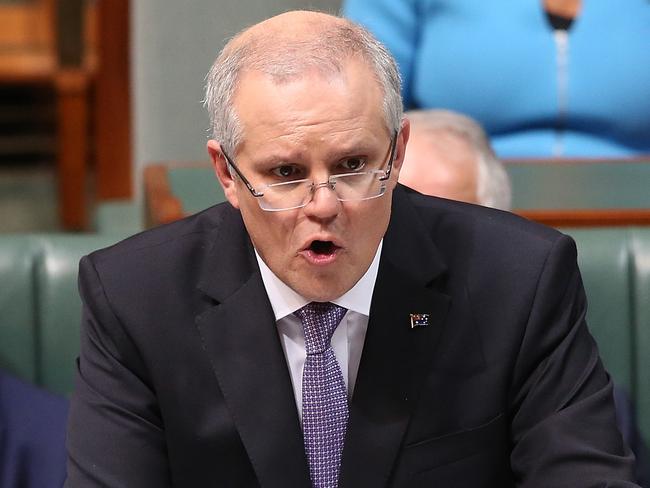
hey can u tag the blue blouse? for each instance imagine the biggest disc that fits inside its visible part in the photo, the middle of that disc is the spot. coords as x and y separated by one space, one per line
497 61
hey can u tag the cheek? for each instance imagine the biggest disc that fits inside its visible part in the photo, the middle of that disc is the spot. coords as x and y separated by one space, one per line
270 232
370 223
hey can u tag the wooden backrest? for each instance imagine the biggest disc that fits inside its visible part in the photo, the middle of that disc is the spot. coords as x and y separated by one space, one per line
39 36
28 47
27 23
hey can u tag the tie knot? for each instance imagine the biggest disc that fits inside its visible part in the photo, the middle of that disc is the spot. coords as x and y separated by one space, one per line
319 321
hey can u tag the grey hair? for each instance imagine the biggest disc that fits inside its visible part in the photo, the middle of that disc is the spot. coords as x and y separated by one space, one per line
493 183
286 57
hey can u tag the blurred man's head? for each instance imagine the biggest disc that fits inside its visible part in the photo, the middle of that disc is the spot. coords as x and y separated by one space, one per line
449 155
308 142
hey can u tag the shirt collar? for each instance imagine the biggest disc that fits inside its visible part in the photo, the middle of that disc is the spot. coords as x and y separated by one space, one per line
284 300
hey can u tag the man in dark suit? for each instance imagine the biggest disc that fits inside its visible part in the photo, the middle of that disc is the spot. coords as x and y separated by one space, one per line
458 356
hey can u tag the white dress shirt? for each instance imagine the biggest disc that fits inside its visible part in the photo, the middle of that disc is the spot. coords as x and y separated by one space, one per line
348 338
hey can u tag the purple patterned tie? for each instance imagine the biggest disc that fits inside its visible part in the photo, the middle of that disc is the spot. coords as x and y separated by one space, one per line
324 396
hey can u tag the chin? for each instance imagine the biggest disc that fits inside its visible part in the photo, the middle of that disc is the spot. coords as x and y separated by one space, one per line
321 295
318 291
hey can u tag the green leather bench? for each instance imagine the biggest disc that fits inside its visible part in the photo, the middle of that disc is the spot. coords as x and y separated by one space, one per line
579 192
536 184
598 184
557 192
118 217
40 308
615 266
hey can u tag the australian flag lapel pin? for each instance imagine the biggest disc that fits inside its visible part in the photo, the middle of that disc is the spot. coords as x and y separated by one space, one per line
419 320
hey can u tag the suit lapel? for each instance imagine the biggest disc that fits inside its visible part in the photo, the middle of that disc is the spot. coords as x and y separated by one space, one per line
241 338
395 355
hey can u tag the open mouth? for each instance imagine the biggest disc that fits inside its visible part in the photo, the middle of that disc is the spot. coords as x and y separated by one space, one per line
322 248
321 252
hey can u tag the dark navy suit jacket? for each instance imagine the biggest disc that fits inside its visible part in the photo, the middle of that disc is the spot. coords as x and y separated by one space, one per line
32 436
626 417
182 380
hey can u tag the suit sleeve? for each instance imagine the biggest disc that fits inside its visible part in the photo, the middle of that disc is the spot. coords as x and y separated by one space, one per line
563 418
115 432
395 24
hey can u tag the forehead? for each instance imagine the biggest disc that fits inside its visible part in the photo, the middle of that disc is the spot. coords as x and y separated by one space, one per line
311 106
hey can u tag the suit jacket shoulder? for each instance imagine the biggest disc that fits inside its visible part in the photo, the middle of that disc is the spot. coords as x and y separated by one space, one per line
513 380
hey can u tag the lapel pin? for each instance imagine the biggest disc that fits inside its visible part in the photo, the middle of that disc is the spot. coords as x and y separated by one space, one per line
419 320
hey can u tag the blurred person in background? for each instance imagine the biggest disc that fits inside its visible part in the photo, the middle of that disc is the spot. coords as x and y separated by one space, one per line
32 435
545 78
449 156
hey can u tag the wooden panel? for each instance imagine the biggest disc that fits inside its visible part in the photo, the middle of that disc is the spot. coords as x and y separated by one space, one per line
27 25
72 153
35 67
113 102
90 35
27 41
29 53
588 218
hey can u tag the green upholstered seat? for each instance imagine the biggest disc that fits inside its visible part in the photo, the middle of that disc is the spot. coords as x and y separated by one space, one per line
118 217
615 265
40 306
587 185
567 186
59 310
195 186
640 245
17 307
604 259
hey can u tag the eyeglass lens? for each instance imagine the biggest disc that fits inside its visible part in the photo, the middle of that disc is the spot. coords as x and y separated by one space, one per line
348 187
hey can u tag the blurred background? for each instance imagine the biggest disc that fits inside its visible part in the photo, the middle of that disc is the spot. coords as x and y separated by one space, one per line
91 91
102 126
103 133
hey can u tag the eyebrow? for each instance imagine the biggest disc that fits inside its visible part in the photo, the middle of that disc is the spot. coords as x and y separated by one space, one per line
355 148
268 160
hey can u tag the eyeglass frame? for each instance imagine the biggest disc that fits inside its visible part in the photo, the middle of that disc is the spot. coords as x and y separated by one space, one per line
315 186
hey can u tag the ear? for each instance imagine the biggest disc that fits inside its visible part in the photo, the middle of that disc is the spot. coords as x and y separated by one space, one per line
222 171
400 146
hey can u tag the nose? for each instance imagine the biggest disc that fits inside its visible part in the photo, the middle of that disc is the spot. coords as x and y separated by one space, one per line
324 204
